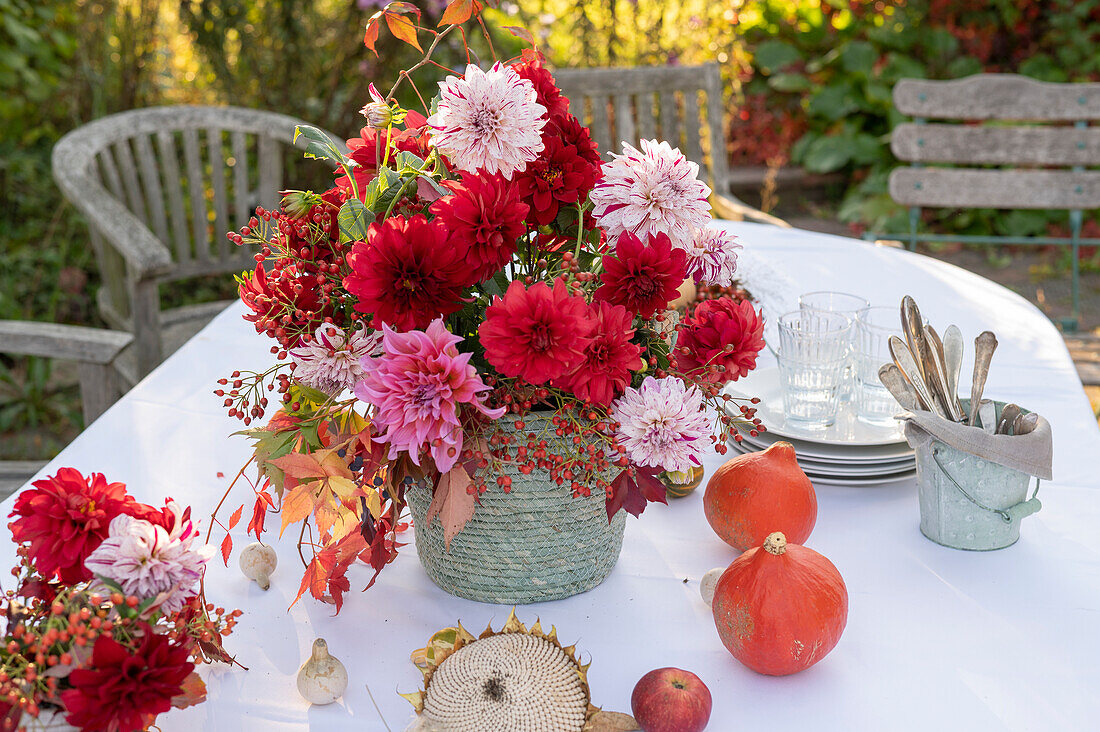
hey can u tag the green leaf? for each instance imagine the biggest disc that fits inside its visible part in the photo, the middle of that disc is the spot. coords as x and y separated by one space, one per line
405 159
790 83
354 220
827 154
774 55
496 285
858 57
833 102
963 66
319 145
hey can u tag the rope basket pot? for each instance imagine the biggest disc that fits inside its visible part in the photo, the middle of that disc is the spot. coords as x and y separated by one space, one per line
534 544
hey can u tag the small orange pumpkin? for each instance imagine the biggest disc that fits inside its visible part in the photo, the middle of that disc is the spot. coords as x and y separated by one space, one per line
780 608
760 492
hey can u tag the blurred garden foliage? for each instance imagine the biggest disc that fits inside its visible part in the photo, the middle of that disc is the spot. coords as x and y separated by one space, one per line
809 84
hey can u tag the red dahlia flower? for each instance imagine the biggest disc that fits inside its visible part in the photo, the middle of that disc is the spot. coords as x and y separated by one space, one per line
123 690
65 518
559 176
608 358
721 333
537 334
530 66
407 273
642 278
569 129
484 211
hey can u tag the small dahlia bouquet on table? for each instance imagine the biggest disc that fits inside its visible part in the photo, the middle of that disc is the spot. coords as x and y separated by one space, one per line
474 321
106 621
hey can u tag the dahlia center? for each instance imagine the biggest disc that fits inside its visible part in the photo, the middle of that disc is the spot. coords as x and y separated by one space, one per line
551 175
644 285
542 338
485 122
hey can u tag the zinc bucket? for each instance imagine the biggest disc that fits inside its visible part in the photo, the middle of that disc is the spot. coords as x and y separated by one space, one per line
970 503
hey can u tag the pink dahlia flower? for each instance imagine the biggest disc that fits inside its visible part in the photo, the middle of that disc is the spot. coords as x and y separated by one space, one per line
331 361
416 387
147 559
655 190
489 120
712 256
662 424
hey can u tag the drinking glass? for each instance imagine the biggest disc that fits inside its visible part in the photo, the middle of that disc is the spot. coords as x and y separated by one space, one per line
811 389
874 326
828 301
814 349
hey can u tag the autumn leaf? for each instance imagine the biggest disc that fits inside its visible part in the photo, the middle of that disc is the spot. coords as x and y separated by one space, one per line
459 11
235 517
343 487
403 29
345 523
297 505
316 577
370 37
632 493
227 548
192 692
299 466
452 503
259 513
521 33
326 515
373 502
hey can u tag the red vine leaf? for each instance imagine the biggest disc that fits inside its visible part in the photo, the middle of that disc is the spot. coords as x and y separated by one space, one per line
400 8
459 11
316 577
227 548
192 692
452 503
632 493
235 517
259 513
403 29
370 37
299 466
521 33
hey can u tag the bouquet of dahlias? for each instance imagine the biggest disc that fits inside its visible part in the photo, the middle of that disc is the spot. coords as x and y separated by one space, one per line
469 267
107 620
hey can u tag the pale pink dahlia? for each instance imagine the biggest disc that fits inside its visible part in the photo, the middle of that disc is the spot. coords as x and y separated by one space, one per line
662 424
148 560
489 120
331 362
652 191
712 256
416 387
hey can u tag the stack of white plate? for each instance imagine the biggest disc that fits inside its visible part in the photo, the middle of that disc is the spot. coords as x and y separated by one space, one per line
848 452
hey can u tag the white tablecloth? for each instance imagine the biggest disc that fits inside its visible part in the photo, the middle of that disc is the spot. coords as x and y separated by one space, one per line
936 638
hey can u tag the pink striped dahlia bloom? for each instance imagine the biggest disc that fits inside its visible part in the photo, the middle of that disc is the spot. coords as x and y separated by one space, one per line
655 190
331 362
662 424
416 387
712 256
489 120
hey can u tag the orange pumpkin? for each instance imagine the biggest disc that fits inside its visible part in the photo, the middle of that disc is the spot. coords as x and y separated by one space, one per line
780 608
760 492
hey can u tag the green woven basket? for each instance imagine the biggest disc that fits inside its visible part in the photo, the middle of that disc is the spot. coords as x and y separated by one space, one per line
534 544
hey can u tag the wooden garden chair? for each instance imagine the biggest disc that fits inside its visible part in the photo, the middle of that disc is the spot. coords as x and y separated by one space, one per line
95 351
661 102
1033 154
160 188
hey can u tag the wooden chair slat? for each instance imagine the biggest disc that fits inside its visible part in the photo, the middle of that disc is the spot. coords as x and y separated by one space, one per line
601 125
150 179
970 188
947 143
647 117
134 199
173 182
270 155
997 96
584 82
111 177
693 149
670 118
624 121
215 155
719 161
242 193
200 236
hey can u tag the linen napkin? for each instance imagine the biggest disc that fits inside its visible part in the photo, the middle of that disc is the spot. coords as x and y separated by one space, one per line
1032 453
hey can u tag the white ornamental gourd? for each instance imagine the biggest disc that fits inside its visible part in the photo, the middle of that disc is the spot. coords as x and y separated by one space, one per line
257 562
518 680
323 678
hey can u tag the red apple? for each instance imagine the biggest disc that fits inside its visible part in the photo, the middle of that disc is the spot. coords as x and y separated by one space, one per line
671 700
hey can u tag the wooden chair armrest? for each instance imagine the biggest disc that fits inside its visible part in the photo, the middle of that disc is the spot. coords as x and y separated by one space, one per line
67 342
144 253
728 207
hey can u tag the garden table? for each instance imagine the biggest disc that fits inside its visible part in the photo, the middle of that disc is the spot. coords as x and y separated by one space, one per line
936 638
